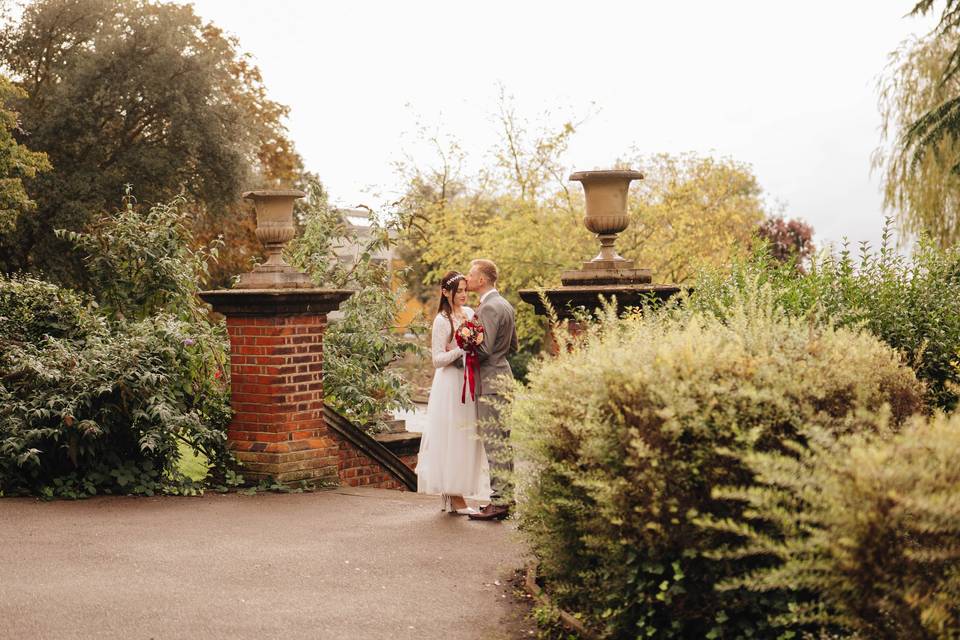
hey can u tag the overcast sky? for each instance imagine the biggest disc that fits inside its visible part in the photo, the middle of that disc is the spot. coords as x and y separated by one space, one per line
788 87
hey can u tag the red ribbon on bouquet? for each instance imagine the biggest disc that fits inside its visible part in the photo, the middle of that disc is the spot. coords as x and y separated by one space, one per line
469 338
470 376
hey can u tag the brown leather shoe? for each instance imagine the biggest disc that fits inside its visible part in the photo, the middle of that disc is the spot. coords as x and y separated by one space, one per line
491 512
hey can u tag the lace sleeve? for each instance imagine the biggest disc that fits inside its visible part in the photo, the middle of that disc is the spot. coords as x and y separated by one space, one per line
439 339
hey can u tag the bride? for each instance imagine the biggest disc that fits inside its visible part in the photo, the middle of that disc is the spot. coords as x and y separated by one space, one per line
452 460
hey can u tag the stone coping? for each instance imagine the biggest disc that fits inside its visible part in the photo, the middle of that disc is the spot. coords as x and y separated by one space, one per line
274 302
273 193
373 448
605 174
565 300
401 444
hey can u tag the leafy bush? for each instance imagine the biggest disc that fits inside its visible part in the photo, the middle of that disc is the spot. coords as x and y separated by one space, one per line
31 309
628 432
101 413
909 303
95 393
358 348
867 524
139 262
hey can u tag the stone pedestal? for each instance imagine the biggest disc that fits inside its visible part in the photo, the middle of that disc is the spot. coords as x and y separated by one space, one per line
608 276
276 370
276 319
566 300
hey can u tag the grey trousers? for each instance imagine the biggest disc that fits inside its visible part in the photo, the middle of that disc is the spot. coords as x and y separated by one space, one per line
496 441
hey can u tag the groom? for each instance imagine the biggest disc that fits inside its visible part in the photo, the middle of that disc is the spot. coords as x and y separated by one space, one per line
497 317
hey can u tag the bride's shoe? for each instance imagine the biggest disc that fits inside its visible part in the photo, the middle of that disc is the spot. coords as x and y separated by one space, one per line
445 502
466 511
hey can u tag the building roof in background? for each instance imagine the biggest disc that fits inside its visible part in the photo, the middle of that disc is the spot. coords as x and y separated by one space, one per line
356 217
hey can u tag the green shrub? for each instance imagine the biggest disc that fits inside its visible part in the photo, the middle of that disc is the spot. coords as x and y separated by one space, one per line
97 390
31 309
628 432
139 262
359 347
102 413
908 302
869 525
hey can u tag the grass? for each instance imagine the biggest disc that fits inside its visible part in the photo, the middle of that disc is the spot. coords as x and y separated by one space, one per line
193 465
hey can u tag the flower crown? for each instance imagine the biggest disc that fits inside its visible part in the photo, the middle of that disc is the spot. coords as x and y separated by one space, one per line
452 281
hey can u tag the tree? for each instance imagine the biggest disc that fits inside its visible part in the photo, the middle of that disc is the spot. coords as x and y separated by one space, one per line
429 188
277 165
940 119
789 241
16 162
690 212
921 182
134 91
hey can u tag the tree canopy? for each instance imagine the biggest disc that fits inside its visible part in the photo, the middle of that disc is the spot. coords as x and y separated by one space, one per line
17 162
691 212
134 91
919 154
922 190
942 118
789 241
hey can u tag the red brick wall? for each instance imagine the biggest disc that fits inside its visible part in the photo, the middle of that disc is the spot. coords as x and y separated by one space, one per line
278 429
357 470
276 369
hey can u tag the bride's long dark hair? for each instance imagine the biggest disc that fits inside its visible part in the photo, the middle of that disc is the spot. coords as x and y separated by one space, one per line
449 284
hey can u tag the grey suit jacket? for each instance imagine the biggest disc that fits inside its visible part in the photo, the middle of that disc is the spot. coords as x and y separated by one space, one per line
500 339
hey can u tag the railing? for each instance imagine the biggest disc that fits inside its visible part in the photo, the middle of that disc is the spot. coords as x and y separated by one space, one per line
370 447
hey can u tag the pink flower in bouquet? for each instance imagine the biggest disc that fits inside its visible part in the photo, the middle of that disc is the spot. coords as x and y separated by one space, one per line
470 336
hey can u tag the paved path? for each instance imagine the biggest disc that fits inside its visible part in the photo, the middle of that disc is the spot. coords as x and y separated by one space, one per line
357 563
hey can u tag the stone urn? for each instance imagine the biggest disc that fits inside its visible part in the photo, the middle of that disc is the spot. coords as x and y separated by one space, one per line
606 207
605 193
608 276
275 229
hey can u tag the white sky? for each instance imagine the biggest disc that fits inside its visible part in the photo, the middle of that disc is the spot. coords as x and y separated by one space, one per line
788 87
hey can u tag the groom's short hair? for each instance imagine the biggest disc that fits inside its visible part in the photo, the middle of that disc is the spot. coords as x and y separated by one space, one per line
487 268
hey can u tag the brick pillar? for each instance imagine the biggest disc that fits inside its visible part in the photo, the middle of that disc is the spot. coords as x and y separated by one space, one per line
276 377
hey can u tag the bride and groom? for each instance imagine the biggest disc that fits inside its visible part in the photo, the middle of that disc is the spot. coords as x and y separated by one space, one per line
460 430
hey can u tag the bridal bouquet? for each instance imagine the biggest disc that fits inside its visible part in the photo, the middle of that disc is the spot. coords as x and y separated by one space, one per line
469 338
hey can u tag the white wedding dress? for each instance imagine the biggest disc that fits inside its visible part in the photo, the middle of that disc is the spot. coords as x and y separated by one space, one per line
452 459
